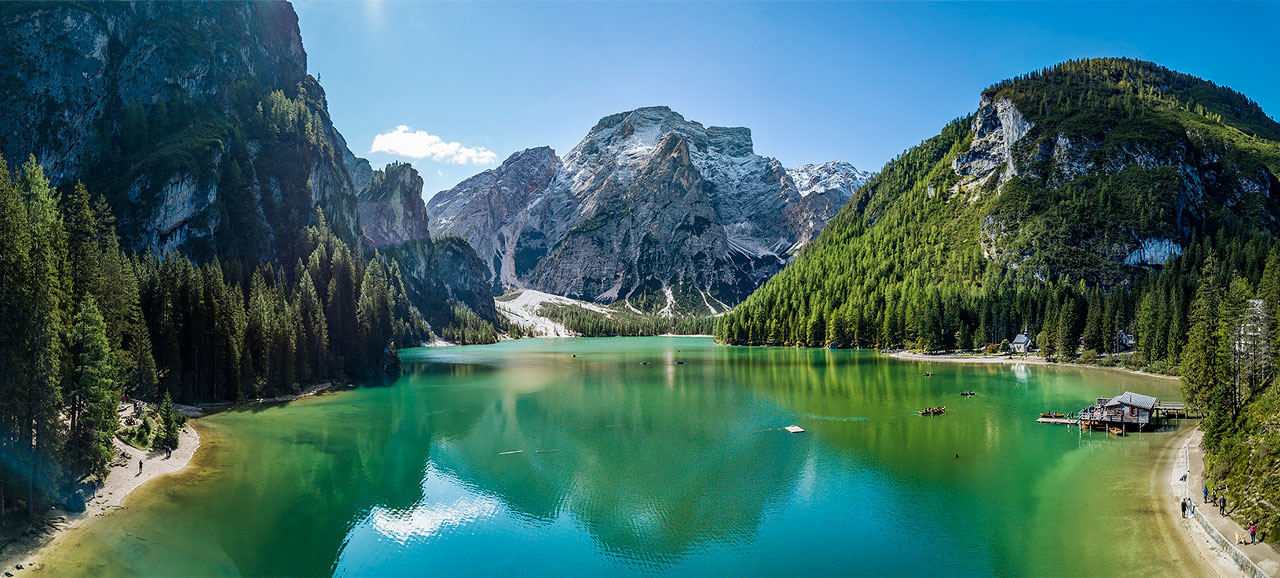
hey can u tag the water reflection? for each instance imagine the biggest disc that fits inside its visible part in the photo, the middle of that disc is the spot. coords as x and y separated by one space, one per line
653 461
591 457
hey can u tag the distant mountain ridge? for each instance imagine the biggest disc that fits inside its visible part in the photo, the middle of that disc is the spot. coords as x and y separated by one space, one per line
649 208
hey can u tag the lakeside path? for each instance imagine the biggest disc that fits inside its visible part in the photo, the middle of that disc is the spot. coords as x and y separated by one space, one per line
1191 456
1198 541
123 477
1009 360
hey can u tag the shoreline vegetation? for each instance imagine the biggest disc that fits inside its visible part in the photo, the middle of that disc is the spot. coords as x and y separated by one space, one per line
86 323
1009 359
29 547
122 479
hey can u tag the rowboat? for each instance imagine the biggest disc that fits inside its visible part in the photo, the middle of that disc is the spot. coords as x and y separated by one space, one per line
967 392
1052 415
1115 431
934 411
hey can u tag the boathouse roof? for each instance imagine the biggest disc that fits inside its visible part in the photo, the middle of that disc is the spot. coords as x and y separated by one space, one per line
1134 399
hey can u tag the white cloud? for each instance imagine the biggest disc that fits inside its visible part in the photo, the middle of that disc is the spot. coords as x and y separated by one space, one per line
419 145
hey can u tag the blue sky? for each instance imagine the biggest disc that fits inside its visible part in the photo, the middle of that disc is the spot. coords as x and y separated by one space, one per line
856 81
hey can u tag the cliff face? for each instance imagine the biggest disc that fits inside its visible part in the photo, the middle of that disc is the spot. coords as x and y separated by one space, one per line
489 210
1164 176
438 273
660 212
197 121
391 207
442 271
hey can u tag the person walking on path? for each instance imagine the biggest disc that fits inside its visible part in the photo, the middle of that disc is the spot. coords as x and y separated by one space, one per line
1206 494
139 467
1253 533
1222 506
1183 503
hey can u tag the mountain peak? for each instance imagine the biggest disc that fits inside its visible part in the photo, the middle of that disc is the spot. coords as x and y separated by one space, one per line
829 176
644 128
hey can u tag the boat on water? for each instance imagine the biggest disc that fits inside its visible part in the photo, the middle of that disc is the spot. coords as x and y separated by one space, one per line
928 374
1115 431
934 411
967 392
1055 415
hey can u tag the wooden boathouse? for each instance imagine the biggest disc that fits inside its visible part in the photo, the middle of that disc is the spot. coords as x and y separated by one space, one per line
1127 411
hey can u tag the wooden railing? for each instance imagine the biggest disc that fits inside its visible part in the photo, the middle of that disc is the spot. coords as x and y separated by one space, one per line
1105 415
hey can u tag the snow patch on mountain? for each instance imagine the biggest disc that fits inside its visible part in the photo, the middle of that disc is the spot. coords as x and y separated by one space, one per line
837 176
522 308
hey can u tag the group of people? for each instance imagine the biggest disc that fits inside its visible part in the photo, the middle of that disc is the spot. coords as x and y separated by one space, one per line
1221 503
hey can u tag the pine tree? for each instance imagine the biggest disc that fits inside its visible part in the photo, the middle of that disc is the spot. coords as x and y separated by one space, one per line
47 326
170 425
315 328
92 393
1068 333
1204 368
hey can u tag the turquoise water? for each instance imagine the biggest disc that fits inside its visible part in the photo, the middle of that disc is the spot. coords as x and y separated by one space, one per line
631 464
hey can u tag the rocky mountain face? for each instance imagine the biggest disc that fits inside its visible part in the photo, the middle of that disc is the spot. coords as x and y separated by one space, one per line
200 125
1164 179
391 207
440 272
660 212
824 189
490 209
197 121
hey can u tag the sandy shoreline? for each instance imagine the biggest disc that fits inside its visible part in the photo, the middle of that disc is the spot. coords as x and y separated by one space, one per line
1193 535
1006 360
123 478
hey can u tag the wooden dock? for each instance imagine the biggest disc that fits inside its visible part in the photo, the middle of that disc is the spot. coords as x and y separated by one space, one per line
1056 420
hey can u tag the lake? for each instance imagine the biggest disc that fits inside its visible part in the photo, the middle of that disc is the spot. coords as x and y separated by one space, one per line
628 463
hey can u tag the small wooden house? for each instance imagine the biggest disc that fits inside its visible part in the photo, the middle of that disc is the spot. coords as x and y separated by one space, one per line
1123 341
1127 411
1021 343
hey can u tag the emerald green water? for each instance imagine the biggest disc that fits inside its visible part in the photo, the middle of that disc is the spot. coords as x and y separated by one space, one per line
656 468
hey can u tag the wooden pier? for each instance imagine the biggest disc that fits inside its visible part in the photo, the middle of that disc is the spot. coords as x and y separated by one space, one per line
1057 420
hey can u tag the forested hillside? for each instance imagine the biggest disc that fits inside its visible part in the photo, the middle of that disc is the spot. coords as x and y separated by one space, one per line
1078 202
83 323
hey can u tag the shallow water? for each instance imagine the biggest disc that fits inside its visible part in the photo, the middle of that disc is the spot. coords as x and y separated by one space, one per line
627 468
